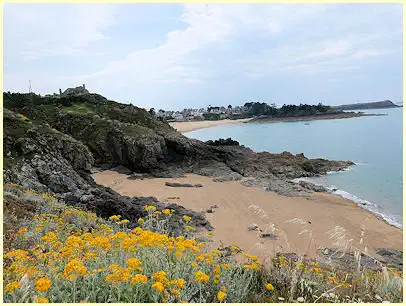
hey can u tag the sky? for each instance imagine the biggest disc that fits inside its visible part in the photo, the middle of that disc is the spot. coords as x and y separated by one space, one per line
172 56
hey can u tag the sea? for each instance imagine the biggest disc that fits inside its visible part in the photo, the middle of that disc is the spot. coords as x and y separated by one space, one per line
374 143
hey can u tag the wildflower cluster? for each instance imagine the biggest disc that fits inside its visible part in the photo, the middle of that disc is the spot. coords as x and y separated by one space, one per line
66 254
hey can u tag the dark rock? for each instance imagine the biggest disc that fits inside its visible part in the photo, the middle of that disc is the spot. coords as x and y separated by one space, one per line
253 227
139 176
183 185
122 170
270 236
312 187
223 142
227 178
391 256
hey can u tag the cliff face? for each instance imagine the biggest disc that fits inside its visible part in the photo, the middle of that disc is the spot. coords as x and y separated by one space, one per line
55 142
370 105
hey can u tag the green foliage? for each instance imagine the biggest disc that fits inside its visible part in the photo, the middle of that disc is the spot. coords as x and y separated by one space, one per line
211 116
263 109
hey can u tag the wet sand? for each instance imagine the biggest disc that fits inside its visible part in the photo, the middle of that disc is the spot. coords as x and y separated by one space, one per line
189 126
301 224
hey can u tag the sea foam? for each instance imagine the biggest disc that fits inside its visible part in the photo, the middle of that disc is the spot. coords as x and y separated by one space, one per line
365 204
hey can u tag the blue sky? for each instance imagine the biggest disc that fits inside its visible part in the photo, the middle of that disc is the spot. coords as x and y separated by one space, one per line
176 56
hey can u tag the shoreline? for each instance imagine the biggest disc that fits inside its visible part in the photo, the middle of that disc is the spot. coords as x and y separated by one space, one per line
345 115
292 219
189 126
361 202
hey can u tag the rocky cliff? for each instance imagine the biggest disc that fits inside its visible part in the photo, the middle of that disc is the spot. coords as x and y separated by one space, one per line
51 144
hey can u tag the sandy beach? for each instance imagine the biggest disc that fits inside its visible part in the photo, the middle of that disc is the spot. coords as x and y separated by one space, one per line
301 224
188 126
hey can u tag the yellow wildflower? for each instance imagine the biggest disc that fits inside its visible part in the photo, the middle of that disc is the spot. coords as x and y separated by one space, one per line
124 221
269 287
50 237
221 296
166 212
187 218
160 277
133 263
11 287
120 275
115 218
43 284
141 221
150 208
139 279
113 267
158 286
74 268
180 283
41 300
201 277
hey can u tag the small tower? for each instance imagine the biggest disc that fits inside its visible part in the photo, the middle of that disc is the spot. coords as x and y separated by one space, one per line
60 91
83 86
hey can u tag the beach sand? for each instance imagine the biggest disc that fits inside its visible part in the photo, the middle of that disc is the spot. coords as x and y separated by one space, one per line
188 126
301 224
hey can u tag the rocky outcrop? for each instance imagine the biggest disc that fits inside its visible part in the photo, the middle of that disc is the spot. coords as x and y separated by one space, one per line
169 184
46 160
53 143
223 142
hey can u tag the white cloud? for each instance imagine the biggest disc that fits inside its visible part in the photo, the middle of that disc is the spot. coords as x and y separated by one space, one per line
282 39
59 29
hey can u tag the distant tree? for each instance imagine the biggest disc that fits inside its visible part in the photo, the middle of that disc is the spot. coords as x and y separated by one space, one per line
229 106
152 111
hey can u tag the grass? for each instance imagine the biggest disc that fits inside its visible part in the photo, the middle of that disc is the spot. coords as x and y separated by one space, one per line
62 253
78 108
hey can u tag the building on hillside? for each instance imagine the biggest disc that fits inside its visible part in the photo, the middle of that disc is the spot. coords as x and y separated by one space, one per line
178 116
80 90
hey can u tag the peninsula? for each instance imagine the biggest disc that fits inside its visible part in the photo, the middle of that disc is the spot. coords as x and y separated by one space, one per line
369 105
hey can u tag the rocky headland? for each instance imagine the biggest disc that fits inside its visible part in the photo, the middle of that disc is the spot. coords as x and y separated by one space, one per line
369 105
52 143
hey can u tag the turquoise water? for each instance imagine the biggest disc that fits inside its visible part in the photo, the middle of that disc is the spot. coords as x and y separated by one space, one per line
374 143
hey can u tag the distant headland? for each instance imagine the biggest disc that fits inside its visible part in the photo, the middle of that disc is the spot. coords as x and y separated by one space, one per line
369 105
